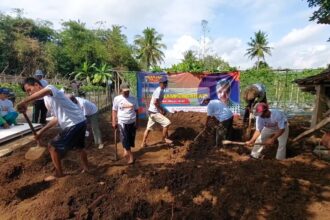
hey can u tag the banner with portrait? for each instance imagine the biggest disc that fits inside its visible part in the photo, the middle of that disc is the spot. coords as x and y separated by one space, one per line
189 91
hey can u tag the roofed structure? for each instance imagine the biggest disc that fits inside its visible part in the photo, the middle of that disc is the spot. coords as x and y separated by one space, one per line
308 84
320 86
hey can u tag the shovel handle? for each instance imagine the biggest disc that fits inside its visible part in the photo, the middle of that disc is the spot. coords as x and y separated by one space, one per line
30 124
115 134
225 142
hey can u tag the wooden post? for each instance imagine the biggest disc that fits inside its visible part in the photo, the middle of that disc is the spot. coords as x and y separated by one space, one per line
319 105
291 91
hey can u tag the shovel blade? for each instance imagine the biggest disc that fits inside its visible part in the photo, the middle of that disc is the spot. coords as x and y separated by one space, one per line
34 153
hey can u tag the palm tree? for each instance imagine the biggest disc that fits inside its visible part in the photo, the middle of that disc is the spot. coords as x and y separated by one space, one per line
149 47
258 47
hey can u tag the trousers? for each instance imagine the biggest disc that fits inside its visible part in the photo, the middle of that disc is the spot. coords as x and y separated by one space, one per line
265 134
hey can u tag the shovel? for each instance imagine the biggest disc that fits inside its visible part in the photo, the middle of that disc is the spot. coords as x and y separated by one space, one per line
33 153
225 142
199 134
248 129
115 134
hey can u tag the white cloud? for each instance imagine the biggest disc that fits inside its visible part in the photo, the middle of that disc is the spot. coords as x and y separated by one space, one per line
299 36
175 53
302 48
299 49
295 45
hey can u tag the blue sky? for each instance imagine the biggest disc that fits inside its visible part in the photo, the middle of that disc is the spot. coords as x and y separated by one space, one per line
297 42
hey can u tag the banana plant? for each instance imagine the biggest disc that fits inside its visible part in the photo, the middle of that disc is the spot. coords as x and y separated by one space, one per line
85 73
102 74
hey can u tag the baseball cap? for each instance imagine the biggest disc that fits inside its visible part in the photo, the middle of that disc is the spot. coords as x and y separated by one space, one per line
163 79
260 108
38 73
4 91
124 87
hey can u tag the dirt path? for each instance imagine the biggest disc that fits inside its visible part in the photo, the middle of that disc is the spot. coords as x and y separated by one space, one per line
187 181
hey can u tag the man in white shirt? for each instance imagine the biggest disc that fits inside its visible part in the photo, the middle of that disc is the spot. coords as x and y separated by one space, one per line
39 108
270 125
125 117
8 114
219 111
66 114
157 113
91 113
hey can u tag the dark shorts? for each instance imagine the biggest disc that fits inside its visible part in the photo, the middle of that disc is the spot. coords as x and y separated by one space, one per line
70 138
127 135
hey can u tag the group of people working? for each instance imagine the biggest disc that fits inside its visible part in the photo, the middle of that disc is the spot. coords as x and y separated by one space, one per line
72 113
271 125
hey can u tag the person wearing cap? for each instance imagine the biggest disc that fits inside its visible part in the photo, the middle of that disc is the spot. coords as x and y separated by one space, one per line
91 113
39 109
157 113
270 125
252 95
8 114
125 117
220 114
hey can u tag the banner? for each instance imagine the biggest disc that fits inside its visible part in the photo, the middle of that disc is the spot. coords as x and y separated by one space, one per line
187 91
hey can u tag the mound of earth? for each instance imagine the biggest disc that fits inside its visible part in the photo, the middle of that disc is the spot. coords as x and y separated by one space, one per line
190 180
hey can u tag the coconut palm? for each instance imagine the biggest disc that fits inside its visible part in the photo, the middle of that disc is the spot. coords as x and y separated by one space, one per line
258 47
149 47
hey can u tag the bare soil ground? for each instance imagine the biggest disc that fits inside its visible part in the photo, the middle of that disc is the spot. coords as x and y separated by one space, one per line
185 181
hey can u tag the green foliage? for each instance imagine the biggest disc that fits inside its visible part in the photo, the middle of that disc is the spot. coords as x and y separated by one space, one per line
149 47
22 43
90 88
120 53
258 47
80 44
93 74
130 78
15 87
102 74
86 72
191 63
322 14
278 84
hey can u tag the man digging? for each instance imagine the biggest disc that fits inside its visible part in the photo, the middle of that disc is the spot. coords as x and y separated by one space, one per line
157 113
67 114
270 125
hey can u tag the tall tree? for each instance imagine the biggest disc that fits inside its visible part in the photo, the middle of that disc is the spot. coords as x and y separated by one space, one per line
258 47
120 53
23 42
81 44
149 47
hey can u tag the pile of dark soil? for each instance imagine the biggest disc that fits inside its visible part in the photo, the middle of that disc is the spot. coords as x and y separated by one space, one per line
191 180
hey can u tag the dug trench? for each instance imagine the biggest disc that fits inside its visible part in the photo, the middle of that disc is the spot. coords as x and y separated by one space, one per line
190 180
